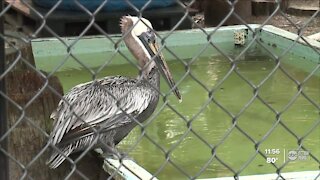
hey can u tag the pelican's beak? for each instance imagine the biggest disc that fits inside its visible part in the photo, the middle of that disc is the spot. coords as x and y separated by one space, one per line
154 52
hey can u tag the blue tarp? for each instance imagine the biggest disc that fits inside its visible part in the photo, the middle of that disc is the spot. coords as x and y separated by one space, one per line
111 5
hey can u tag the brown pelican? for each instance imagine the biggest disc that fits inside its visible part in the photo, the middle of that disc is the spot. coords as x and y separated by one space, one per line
102 112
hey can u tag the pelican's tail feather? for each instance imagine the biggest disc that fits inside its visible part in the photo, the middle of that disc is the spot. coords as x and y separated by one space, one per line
57 158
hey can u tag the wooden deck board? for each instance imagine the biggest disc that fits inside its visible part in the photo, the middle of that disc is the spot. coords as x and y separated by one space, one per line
20 6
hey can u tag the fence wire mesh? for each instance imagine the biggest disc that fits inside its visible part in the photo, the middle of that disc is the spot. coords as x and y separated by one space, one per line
32 95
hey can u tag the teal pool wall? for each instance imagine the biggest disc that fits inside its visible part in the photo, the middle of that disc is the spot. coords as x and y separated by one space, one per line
74 53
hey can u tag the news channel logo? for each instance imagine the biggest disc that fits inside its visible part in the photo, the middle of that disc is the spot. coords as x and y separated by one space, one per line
299 155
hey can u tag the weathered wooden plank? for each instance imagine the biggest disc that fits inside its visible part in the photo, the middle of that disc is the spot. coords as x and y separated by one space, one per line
18 5
267 7
217 11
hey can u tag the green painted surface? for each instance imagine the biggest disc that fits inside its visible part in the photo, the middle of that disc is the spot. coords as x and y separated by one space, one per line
285 42
70 53
190 153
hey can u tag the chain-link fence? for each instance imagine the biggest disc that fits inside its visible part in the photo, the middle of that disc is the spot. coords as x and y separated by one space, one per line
246 109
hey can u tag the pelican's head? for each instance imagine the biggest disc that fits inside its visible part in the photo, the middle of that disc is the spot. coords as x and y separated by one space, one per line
140 39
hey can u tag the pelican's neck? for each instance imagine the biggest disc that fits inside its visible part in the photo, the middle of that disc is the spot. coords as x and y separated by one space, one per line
152 76
147 67
138 50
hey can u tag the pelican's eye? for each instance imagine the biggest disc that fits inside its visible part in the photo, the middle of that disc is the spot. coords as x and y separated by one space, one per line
150 36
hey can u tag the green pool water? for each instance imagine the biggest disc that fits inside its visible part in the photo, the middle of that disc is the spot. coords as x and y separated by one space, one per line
180 146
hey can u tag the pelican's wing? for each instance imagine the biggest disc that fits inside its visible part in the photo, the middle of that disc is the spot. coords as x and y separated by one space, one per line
99 102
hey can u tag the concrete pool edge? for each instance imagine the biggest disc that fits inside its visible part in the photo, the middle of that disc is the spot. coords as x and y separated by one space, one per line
268 35
292 36
299 46
127 169
55 47
303 175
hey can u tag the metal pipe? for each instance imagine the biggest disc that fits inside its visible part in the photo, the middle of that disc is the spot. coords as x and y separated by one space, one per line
4 170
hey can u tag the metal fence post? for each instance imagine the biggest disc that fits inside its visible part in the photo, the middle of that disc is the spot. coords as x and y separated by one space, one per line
4 171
